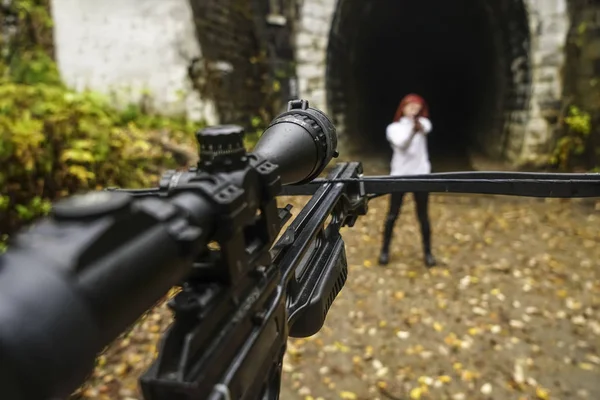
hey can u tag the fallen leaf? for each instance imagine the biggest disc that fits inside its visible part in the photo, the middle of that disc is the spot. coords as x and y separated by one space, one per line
348 395
586 366
542 393
416 393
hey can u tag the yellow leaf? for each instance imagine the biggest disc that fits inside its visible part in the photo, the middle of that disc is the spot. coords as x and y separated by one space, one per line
80 173
399 295
356 360
381 384
348 395
502 222
276 86
457 366
367 263
341 347
437 326
425 381
412 274
586 366
416 393
474 331
122 369
382 324
444 379
452 340
81 156
542 393
468 375
562 293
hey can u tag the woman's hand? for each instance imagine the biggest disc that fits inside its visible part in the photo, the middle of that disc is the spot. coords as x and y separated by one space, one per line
418 126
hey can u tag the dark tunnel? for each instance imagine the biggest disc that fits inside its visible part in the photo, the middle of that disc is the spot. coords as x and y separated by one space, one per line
459 55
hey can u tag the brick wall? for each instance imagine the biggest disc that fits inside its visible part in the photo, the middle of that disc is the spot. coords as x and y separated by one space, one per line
247 57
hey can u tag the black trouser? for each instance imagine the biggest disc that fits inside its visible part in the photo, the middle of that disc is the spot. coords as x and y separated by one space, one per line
422 207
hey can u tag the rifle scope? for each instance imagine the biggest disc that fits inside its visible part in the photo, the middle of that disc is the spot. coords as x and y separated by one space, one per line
301 141
77 279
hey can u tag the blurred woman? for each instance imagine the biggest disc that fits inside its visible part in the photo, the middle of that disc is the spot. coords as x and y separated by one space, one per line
407 135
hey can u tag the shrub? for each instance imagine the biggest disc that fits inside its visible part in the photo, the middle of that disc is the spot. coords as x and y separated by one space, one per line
572 144
55 142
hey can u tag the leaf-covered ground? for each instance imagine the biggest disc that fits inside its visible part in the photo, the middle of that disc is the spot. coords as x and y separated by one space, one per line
512 312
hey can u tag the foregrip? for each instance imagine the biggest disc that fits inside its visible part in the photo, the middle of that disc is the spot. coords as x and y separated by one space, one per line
76 280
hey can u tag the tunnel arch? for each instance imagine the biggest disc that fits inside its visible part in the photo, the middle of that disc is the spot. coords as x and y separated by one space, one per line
468 58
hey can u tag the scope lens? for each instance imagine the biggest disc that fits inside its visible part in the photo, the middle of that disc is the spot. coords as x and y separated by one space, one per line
301 141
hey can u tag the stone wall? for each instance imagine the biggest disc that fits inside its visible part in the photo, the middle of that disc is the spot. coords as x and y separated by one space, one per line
312 39
549 24
533 78
136 50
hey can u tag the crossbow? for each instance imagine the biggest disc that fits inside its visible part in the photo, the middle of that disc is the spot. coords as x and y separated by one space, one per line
74 281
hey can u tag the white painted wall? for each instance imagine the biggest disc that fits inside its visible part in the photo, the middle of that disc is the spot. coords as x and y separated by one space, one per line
128 48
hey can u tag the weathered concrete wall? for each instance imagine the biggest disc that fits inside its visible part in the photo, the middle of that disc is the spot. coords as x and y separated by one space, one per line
131 48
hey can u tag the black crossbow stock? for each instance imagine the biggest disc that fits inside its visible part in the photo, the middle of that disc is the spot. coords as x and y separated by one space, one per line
72 283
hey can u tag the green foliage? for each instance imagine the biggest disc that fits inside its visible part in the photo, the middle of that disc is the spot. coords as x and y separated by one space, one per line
55 142
573 143
28 52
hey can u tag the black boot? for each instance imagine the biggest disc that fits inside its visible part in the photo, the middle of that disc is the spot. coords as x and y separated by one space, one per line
429 259
426 237
384 256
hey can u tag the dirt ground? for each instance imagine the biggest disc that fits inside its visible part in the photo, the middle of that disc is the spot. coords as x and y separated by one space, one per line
511 312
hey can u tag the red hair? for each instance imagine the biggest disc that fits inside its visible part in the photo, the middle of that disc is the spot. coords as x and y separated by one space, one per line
412 98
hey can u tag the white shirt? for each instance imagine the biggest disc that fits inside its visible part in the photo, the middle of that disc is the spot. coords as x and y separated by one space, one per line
414 159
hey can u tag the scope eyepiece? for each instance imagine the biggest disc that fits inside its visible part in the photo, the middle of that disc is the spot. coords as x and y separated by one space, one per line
301 141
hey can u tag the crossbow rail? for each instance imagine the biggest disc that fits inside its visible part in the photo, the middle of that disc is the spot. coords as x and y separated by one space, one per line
526 184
